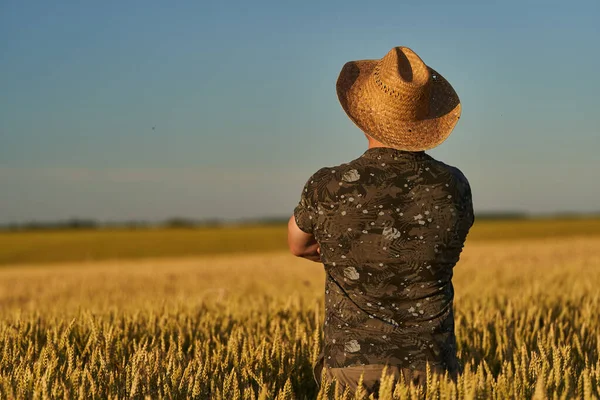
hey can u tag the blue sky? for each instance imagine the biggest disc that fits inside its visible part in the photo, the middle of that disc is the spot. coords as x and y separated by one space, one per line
242 98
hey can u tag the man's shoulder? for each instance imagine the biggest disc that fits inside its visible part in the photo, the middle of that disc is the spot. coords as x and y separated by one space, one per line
452 170
329 173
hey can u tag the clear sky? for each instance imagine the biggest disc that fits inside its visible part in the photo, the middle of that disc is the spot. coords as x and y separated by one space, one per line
242 99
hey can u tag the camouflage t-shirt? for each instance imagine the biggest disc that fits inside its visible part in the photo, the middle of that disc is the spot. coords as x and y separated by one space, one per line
391 225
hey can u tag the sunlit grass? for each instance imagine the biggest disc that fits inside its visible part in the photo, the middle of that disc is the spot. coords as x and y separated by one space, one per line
86 245
249 326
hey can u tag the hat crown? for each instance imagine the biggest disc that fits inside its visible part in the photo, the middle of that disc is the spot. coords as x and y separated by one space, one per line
399 100
401 73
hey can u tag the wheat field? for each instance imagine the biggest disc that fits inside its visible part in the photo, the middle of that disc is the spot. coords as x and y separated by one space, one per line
248 326
64 245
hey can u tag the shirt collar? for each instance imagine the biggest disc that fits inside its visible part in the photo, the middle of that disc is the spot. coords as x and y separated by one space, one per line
389 153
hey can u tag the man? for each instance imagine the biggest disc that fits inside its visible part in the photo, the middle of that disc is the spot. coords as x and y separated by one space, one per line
389 227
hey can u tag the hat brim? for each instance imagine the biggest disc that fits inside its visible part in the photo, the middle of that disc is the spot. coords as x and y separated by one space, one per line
371 111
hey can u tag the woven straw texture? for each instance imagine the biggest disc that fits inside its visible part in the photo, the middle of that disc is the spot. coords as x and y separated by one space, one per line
399 100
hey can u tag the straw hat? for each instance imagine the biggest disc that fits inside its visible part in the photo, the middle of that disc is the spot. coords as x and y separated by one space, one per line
399 100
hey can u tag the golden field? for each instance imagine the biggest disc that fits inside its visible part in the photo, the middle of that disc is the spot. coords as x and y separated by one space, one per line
103 244
138 319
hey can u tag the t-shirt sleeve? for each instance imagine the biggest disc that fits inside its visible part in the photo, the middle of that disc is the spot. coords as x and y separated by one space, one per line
471 211
469 200
467 197
304 212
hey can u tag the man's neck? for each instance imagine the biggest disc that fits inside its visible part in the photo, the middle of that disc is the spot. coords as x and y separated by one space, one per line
376 143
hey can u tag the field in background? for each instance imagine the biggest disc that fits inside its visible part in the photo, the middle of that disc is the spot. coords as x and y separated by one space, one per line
106 244
248 326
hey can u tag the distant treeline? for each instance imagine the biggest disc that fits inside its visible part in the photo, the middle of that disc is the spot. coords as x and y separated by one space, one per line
77 223
182 222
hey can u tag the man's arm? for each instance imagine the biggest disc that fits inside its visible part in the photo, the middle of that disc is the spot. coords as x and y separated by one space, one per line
302 244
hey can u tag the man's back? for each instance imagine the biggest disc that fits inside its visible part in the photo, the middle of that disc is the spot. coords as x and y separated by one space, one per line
391 225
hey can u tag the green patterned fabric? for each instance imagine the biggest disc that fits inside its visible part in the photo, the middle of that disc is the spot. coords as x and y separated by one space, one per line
391 225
